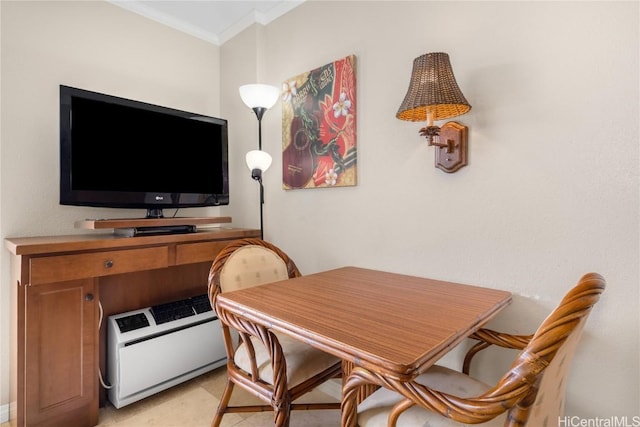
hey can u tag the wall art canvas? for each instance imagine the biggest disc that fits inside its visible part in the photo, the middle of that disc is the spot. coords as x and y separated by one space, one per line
319 127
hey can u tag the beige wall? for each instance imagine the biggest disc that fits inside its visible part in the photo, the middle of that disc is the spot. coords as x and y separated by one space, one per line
91 45
550 193
551 190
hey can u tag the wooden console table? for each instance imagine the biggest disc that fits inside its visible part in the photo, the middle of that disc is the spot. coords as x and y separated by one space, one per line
64 287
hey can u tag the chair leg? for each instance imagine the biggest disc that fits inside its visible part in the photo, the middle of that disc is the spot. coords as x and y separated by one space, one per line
224 402
281 416
281 403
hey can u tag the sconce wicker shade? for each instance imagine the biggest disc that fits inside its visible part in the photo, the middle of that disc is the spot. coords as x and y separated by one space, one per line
433 87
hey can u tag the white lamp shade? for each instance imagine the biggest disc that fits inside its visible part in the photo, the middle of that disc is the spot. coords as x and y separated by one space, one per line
259 95
258 159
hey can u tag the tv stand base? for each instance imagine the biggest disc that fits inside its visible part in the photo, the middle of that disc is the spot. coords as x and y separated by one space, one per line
99 224
154 231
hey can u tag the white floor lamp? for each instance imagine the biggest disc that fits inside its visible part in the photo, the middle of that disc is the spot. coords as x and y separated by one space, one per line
259 98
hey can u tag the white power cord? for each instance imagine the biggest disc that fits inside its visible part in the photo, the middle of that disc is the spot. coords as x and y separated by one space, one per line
99 326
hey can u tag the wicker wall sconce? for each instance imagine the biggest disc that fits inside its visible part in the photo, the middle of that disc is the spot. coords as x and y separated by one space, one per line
434 94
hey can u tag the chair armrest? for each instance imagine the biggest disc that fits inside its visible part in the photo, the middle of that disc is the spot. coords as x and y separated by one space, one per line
470 410
488 337
247 329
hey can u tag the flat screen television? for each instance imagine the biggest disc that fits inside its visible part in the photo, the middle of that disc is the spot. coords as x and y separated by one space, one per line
121 153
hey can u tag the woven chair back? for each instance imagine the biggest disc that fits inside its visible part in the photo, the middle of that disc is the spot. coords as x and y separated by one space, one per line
550 399
543 366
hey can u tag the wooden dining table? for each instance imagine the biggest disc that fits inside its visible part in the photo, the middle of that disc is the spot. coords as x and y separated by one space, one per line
394 325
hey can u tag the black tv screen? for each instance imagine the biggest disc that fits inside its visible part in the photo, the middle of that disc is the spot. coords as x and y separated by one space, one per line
121 153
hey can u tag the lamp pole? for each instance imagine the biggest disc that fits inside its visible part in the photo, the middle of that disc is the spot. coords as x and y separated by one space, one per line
261 203
259 113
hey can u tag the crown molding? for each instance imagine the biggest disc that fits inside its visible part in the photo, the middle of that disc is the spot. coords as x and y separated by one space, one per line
255 17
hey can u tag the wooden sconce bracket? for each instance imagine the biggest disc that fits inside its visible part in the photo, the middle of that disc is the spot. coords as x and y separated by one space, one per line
452 155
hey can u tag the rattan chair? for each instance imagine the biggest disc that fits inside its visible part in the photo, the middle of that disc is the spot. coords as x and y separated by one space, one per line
271 366
531 393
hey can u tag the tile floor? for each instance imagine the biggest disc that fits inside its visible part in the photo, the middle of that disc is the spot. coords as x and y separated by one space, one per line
193 403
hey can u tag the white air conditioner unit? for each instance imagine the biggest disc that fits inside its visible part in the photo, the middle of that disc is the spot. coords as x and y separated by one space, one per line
152 349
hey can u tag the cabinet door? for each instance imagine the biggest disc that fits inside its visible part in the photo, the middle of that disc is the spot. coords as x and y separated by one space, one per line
60 354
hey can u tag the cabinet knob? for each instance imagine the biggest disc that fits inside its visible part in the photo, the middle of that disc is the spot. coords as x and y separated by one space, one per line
88 297
108 264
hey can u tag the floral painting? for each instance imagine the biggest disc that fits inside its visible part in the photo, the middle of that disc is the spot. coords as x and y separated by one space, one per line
319 127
